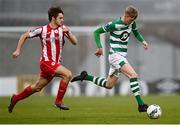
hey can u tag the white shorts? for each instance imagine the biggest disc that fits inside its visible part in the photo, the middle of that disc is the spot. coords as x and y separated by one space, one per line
116 61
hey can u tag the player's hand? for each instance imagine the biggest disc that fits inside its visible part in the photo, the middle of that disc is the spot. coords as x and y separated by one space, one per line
99 52
66 31
16 54
145 45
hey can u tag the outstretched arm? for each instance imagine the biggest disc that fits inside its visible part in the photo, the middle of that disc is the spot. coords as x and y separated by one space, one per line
97 33
20 44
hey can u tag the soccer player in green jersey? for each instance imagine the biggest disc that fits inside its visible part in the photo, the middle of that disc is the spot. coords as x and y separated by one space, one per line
119 30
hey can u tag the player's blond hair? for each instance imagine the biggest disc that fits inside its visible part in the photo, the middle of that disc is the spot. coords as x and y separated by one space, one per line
131 11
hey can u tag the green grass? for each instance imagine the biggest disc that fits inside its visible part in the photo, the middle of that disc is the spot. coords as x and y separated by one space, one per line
89 110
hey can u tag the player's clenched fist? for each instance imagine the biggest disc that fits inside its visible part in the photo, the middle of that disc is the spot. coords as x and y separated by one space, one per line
15 54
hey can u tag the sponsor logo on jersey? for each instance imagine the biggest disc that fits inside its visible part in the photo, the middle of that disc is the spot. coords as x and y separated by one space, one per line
124 36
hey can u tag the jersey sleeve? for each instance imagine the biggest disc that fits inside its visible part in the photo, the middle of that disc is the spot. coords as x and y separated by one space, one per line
97 33
35 32
134 26
109 26
136 33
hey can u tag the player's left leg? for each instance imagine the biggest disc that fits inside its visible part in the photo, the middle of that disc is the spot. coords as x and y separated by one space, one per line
127 70
66 76
99 81
27 92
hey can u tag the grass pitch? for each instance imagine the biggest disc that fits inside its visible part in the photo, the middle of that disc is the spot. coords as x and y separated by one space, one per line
89 110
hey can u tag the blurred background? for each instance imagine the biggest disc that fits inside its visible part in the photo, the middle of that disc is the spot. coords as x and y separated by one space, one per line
158 68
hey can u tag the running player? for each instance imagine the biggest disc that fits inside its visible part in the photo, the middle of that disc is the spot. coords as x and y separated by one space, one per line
120 30
52 42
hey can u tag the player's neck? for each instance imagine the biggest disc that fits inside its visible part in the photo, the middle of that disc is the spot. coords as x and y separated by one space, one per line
123 19
53 25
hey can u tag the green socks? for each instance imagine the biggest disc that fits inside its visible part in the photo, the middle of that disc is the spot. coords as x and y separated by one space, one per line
96 80
135 90
134 85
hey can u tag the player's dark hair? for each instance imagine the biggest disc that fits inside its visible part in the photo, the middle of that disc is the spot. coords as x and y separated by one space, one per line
54 11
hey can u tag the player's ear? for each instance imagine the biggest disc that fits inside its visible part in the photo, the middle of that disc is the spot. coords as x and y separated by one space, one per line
53 18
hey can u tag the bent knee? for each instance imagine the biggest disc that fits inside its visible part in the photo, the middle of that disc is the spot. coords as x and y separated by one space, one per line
109 86
37 89
133 75
68 75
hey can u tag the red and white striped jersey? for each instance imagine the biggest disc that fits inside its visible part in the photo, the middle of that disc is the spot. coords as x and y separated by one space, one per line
52 42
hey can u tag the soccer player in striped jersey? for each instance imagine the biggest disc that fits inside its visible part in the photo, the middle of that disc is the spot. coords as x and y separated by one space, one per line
119 30
52 42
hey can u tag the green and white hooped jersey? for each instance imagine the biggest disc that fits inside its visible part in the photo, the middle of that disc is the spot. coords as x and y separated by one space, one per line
119 35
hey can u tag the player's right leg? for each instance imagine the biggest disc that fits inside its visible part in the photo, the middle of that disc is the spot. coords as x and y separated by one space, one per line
49 68
27 92
66 76
100 81
134 85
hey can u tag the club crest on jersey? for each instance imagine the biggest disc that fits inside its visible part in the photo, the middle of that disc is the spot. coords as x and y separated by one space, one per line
56 31
53 63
